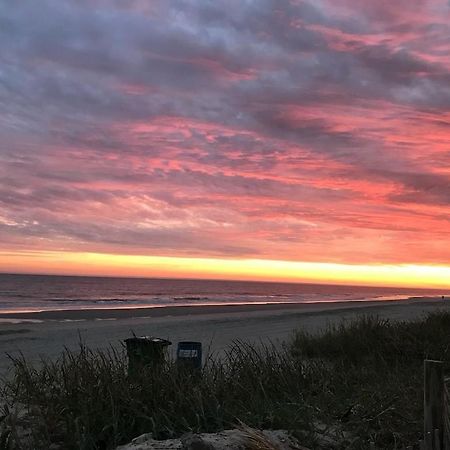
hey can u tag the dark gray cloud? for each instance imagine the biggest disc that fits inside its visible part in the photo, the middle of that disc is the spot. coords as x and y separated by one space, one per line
430 189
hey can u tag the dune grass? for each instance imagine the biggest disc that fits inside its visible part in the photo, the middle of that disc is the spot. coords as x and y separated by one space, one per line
356 382
371 337
86 400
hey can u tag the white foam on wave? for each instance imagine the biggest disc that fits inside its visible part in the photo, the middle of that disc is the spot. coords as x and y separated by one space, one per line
16 321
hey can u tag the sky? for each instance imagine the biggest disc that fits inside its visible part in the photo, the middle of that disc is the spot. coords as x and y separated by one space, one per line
165 138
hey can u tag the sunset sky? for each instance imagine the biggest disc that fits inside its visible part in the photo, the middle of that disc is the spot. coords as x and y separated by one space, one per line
306 140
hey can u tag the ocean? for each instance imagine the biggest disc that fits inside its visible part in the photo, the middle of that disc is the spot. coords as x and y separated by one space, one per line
32 293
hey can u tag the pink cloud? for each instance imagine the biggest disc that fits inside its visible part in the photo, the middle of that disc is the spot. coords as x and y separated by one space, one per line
316 132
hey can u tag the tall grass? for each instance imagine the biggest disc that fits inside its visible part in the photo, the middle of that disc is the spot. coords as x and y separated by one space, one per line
372 382
357 381
86 400
379 339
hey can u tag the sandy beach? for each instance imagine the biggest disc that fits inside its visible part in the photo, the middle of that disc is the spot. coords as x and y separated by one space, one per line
45 334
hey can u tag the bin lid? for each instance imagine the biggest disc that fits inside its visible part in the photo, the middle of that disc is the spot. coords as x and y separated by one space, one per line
152 339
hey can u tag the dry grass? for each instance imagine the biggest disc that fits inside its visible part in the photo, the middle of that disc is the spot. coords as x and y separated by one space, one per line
256 439
357 382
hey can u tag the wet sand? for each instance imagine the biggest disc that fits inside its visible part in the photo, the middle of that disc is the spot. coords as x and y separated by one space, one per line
45 334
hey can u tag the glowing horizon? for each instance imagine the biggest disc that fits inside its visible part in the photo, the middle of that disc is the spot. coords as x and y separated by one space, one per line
91 264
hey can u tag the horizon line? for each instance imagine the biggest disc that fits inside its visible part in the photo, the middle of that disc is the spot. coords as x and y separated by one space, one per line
231 280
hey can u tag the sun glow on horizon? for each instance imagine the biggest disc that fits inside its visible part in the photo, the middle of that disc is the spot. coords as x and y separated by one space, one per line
100 264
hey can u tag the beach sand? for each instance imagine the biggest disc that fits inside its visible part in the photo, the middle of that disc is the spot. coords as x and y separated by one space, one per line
45 334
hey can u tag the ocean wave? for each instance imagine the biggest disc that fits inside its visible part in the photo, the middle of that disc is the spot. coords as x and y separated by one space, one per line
114 300
190 298
95 300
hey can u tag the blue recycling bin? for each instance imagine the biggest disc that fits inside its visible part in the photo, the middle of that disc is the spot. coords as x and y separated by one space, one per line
189 355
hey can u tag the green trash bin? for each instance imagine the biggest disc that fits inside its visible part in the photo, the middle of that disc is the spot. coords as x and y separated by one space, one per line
146 351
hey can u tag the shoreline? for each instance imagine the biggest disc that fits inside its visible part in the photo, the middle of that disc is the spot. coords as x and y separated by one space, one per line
183 310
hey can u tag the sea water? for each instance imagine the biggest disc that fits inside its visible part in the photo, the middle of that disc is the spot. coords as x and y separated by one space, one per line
30 293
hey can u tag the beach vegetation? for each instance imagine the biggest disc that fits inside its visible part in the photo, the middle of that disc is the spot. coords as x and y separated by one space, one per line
356 382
